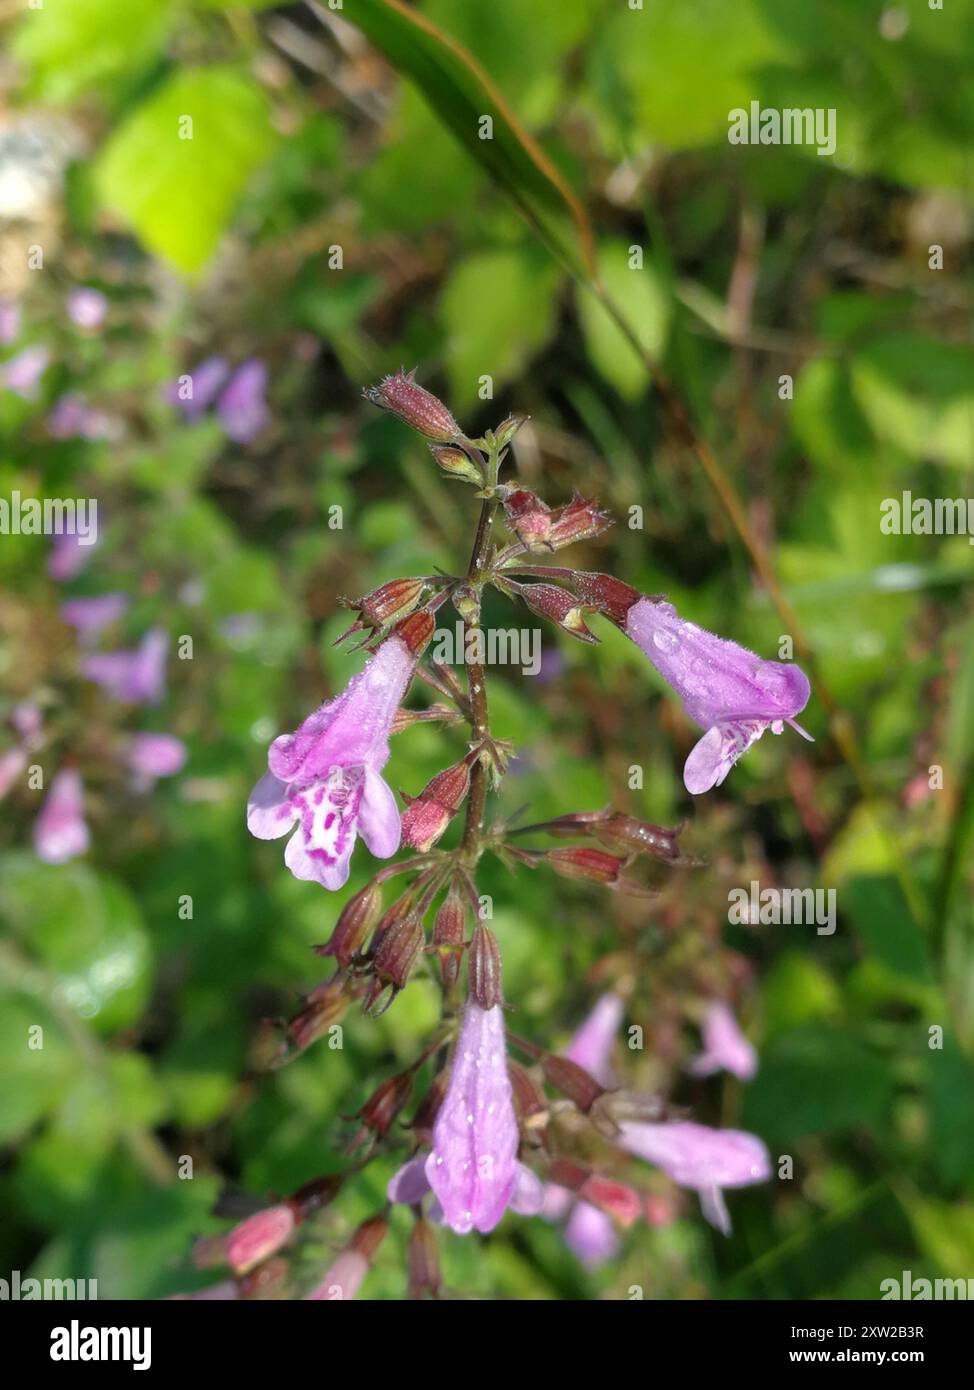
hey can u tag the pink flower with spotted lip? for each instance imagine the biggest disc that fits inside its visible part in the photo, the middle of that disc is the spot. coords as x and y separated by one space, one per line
734 694
473 1168
725 1047
327 775
703 1159
60 831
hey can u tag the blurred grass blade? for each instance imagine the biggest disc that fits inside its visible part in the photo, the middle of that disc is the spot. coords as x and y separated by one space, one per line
461 93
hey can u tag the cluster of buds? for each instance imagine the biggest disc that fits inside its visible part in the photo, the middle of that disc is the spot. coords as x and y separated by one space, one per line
541 528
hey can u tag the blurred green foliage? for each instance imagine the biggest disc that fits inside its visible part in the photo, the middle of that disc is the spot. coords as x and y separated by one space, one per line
464 255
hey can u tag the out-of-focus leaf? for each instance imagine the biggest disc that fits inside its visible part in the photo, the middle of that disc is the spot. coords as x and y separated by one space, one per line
87 930
73 46
646 304
462 94
497 309
178 192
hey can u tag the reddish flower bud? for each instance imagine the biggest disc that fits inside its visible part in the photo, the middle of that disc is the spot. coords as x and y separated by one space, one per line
387 603
638 836
259 1236
424 1261
417 407
415 631
323 1007
385 1104
560 606
456 464
430 813
529 518
606 594
369 1237
572 1081
314 1195
577 520
579 862
448 931
355 921
484 969
528 1097
397 952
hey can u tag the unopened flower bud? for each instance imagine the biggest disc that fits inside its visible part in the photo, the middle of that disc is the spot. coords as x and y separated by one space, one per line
529 518
387 603
355 921
638 836
398 950
528 1097
314 1195
606 594
424 1260
344 1278
259 1236
548 601
577 520
484 969
579 862
614 1198
507 429
322 1008
414 405
429 814
457 464
572 1081
448 931
385 1104
415 631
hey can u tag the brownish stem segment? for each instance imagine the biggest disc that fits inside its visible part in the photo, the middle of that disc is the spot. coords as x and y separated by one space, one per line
470 846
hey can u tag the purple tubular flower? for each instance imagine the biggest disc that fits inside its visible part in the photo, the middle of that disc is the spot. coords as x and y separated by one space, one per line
22 374
724 1045
591 1047
155 755
87 307
473 1169
88 616
327 775
242 409
137 676
198 394
60 832
734 694
68 556
705 1160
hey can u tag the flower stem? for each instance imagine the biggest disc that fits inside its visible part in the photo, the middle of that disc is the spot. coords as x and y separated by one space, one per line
471 846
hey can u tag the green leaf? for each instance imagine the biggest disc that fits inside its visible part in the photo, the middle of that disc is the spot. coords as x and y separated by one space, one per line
497 309
647 308
74 46
87 931
177 193
462 94
918 394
